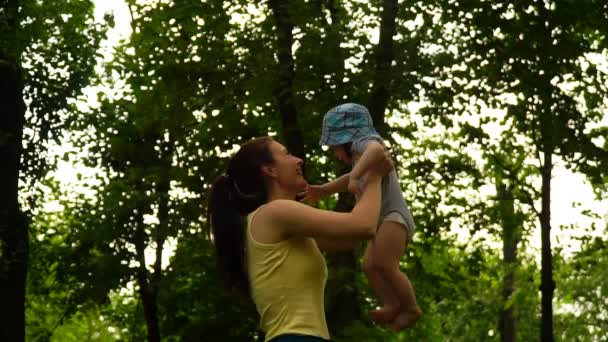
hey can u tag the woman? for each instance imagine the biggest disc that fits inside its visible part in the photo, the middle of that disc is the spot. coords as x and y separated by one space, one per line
267 244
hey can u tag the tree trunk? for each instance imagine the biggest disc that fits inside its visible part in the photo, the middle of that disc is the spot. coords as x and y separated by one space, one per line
148 298
547 147
162 193
344 306
284 92
334 89
547 284
14 240
146 291
384 55
510 238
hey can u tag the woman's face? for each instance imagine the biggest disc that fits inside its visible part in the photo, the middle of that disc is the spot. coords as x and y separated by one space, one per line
287 168
341 154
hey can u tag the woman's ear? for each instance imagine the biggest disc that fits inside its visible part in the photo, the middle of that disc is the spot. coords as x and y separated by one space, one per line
269 171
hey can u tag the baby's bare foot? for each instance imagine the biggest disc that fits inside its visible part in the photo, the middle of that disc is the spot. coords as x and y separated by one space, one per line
384 315
406 319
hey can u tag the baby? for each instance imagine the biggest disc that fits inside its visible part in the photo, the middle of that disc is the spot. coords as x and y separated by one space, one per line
349 130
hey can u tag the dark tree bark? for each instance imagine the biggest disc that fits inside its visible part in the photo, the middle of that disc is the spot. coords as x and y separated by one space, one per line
344 306
510 238
547 147
147 291
149 282
284 92
384 55
547 286
14 239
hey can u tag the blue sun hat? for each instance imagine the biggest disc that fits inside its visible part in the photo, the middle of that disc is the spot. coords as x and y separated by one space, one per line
346 123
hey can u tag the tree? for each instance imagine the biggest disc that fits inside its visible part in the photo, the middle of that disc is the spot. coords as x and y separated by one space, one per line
520 56
13 229
47 55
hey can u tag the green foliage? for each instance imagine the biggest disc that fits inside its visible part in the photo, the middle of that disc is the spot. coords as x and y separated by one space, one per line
197 306
55 43
583 292
523 57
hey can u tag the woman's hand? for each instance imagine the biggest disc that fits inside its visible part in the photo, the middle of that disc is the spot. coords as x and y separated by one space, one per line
383 167
354 186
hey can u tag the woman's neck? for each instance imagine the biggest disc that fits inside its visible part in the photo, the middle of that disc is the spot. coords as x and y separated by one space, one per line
277 193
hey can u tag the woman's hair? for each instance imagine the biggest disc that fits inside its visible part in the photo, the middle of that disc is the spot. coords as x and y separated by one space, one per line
238 192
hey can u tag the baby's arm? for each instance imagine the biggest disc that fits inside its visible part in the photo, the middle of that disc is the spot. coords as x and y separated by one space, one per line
314 192
339 184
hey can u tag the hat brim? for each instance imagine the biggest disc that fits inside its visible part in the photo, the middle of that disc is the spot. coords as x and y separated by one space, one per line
343 136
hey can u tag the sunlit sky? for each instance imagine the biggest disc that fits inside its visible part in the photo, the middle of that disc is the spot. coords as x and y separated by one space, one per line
568 188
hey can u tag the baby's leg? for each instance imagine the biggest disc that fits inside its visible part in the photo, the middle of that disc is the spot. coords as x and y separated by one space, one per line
389 245
381 288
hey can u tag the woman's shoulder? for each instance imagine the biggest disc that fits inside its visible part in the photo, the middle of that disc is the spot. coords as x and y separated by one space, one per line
275 214
295 218
278 206
283 211
262 225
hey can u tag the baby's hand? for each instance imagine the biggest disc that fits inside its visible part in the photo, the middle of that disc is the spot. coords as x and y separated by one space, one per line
353 186
312 194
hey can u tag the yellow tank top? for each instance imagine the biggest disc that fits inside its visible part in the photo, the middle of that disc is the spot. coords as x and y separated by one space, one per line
287 285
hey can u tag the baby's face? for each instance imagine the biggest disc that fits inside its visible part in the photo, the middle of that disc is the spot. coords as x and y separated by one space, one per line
341 154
